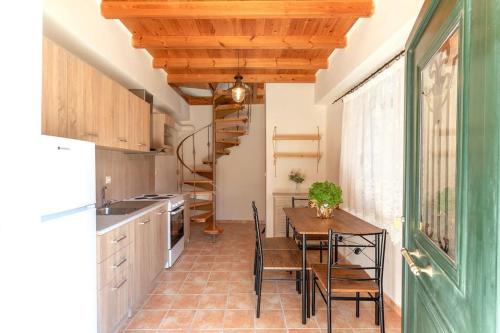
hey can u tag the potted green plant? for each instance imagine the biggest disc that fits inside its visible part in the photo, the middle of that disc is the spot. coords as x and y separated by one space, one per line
325 196
297 177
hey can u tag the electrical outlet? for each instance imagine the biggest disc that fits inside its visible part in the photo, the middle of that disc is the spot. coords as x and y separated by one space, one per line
108 180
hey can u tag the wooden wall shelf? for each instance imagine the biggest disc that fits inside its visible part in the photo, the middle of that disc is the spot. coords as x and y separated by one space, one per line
298 155
291 154
302 137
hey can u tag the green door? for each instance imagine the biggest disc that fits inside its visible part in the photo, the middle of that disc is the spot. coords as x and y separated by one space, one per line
452 169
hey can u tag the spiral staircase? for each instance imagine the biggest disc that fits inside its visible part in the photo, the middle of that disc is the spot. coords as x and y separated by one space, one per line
198 166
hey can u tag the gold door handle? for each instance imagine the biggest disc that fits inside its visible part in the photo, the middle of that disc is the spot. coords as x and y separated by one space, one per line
414 268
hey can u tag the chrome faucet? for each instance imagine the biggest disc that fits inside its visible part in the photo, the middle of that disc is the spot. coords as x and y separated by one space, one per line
105 203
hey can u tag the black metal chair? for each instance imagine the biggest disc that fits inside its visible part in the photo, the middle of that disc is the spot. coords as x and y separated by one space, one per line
342 278
322 239
274 260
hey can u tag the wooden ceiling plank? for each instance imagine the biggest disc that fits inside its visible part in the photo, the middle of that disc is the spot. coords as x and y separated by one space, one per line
247 78
274 62
238 42
237 9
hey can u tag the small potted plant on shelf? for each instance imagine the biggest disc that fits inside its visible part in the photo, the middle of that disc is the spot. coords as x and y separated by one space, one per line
325 197
297 177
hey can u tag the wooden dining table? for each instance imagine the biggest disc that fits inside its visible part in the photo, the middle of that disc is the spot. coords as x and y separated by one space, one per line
304 223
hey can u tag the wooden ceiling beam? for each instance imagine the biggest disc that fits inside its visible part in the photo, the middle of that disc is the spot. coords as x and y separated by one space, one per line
247 78
238 42
237 9
271 63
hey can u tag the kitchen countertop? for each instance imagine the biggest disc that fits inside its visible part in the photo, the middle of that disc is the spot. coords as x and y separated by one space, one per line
106 223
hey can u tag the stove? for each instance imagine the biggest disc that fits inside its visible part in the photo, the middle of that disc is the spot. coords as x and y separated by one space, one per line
173 200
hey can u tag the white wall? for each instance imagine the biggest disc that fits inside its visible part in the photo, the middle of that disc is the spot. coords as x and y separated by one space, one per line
370 43
290 107
240 175
333 141
78 26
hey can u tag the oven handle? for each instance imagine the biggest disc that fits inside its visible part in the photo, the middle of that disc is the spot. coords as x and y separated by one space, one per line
177 211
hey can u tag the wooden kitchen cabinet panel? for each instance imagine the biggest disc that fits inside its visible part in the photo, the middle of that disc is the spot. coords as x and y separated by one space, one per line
144 229
79 102
115 265
122 122
54 90
114 240
159 241
114 302
140 116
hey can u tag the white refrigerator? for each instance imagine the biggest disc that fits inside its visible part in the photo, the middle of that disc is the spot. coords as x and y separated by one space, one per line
68 227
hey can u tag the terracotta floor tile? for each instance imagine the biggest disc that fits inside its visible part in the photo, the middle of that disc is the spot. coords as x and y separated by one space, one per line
192 287
198 276
224 259
213 301
158 302
167 288
291 301
307 330
338 320
286 287
208 319
242 275
205 259
270 319
177 319
271 330
216 287
173 276
147 319
242 287
241 301
182 266
221 267
238 330
293 319
270 302
185 302
239 319
219 276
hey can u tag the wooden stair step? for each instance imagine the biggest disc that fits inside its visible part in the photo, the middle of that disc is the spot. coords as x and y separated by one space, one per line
228 143
207 162
229 134
196 193
233 106
230 122
203 217
213 229
204 173
206 184
198 203
223 152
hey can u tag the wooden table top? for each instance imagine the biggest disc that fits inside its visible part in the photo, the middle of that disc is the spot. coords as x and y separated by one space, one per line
304 221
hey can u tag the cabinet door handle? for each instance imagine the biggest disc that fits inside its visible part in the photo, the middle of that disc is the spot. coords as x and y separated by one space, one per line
162 212
95 135
124 260
141 144
122 140
118 286
145 222
118 240
63 148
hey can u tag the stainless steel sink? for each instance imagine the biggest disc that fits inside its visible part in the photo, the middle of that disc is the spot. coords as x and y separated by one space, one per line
124 207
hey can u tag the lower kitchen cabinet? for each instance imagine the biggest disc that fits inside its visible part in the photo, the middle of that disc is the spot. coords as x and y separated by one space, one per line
129 258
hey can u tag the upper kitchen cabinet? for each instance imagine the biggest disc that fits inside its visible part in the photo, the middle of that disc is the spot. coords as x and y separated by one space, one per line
140 118
54 90
79 102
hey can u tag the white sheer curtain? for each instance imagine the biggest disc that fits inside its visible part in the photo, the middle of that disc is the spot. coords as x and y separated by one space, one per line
371 160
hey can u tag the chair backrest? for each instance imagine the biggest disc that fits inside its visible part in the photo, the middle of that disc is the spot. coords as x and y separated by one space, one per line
300 200
358 246
258 240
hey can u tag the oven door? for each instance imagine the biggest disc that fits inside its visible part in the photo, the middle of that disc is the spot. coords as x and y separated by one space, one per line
175 226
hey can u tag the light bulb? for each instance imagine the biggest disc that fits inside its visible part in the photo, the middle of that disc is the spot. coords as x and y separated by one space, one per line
238 91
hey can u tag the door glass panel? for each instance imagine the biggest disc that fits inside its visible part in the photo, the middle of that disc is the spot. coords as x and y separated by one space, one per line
438 148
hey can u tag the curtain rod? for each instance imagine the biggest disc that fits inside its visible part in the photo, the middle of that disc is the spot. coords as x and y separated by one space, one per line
372 75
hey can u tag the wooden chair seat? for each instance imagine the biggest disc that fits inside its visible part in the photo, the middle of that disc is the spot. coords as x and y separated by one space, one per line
340 286
283 260
279 243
